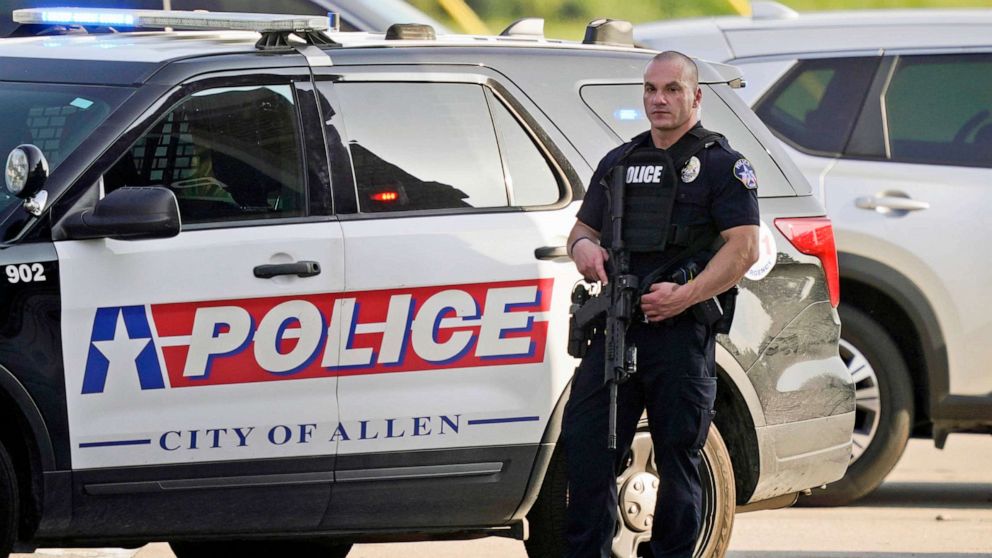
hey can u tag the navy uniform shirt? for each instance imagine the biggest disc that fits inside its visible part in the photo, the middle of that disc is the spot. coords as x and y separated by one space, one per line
723 195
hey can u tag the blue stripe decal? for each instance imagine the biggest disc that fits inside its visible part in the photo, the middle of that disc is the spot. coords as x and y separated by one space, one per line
144 442
503 420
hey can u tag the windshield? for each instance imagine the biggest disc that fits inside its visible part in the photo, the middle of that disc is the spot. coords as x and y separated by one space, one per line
55 118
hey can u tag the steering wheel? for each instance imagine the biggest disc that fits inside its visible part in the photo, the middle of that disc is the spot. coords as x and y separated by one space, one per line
970 125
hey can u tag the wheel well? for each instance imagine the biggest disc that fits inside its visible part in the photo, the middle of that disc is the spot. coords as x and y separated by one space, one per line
14 434
733 418
884 310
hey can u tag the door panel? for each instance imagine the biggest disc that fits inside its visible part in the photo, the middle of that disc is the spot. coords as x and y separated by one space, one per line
170 346
919 209
457 330
188 349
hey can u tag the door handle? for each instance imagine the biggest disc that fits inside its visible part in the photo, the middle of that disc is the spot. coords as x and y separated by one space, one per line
550 252
891 203
303 268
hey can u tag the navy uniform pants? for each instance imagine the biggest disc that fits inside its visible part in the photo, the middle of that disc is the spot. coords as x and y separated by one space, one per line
675 383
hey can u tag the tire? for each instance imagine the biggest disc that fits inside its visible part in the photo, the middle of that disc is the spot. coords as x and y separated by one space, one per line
547 517
884 408
9 503
260 549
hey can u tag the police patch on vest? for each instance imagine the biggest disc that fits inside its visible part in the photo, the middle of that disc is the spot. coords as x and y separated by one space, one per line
745 173
646 174
691 170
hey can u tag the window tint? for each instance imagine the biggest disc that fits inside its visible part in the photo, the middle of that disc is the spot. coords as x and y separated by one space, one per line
422 146
938 110
461 148
228 154
530 179
610 103
620 107
816 104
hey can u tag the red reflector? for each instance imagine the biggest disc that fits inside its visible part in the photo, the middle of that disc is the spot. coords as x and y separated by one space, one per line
815 236
385 196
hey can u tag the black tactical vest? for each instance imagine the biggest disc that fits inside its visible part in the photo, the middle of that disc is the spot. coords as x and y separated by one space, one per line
651 187
652 179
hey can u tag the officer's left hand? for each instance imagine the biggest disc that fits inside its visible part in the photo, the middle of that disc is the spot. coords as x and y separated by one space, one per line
664 300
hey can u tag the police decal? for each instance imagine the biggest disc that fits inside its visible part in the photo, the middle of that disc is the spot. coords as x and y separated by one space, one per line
745 173
278 339
645 174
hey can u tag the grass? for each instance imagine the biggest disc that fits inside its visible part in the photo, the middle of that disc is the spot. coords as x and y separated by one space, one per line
567 19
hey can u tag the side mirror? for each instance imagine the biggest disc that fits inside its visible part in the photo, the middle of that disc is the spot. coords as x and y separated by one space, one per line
126 214
26 171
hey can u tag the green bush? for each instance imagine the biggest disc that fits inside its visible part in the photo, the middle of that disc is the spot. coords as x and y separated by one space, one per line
567 18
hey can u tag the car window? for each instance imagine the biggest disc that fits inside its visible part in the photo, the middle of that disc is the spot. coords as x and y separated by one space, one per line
618 106
441 154
228 154
814 107
531 182
455 149
938 110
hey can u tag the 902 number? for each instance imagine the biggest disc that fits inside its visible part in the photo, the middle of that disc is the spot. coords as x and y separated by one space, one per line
25 273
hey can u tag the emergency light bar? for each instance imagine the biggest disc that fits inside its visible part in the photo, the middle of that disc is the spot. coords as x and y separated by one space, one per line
176 19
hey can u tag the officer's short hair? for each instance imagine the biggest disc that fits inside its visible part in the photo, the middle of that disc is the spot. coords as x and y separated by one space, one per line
687 63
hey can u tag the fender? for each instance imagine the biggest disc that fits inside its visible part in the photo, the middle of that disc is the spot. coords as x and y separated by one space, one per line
542 460
46 484
727 365
41 442
911 299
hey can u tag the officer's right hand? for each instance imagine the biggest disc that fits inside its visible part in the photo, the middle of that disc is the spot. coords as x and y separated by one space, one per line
589 258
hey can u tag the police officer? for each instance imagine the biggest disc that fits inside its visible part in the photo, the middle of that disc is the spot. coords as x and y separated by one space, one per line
714 197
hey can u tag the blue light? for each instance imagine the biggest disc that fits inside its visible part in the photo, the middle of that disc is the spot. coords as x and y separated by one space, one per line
627 114
88 18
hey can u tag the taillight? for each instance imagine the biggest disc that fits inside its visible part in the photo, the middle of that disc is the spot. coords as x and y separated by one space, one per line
815 236
387 196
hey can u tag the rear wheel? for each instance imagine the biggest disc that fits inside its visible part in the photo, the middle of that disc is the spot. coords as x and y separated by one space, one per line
883 408
260 549
9 504
637 487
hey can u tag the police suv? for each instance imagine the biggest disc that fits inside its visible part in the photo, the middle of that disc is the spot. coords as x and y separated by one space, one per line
268 286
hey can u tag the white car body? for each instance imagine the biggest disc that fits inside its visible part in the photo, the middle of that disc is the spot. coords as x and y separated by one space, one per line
905 223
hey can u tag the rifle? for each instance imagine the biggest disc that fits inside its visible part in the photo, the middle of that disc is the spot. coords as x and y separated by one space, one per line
618 299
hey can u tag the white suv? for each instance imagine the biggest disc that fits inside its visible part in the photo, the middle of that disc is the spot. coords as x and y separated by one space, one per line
889 116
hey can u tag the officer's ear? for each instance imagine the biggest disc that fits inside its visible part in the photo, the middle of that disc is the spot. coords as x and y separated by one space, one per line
698 98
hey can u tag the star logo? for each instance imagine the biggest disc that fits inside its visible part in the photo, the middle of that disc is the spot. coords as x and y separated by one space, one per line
121 344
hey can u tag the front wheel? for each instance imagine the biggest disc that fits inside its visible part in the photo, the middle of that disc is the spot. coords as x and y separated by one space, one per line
8 503
637 491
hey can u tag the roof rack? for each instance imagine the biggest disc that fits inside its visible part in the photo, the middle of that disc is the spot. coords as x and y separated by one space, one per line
275 28
610 32
525 28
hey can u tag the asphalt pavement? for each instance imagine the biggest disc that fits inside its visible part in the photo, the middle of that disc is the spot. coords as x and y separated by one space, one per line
935 504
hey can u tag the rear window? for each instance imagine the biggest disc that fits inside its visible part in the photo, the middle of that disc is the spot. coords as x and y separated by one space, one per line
815 105
461 148
619 107
946 123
